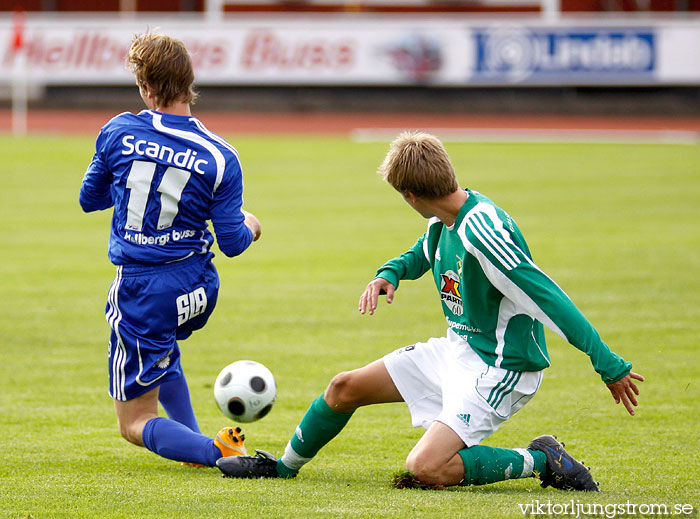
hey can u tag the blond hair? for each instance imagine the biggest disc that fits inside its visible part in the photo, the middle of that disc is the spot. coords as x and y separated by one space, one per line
417 162
164 64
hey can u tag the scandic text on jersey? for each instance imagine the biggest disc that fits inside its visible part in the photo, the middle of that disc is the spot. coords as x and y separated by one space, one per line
185 159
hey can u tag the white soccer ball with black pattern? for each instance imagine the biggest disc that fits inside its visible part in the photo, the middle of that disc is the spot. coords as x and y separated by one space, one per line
245 391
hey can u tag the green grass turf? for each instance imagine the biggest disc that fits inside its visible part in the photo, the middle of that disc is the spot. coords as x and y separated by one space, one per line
615 225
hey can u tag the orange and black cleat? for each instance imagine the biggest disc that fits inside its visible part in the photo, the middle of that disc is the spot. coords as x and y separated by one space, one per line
229 440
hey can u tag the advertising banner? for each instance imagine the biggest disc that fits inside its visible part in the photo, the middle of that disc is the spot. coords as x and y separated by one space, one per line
363 50
554 56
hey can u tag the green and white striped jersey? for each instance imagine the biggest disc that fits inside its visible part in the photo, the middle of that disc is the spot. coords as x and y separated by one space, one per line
494 295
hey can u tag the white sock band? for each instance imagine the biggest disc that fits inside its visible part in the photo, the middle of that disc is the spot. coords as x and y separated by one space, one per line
528 462
291 459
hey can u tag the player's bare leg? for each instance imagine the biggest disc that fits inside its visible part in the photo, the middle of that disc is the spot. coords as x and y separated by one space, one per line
435 460
371 384
133 415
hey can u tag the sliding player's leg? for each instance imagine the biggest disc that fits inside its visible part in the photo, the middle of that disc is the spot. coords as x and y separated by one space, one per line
139 365
324 419
442 458
329 413
433 463
140 424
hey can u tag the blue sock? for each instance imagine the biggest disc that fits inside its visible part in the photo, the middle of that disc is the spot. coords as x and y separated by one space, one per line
178 442
174 396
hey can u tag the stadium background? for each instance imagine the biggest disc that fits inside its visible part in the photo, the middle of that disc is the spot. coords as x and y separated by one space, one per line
462 60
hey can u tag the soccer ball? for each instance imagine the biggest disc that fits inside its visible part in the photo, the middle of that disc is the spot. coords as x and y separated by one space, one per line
245 391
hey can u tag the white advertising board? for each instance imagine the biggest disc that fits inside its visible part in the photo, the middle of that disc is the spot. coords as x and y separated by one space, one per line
366 50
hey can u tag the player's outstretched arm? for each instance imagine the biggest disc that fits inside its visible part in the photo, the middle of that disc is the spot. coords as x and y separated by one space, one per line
369 298
626 391
252 222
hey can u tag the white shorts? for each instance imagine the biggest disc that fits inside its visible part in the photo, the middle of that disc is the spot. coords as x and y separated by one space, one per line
445 380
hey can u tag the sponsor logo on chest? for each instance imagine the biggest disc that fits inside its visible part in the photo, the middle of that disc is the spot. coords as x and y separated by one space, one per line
186 159
450 292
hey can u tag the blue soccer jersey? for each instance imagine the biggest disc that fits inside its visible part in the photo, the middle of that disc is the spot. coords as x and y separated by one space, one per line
165 175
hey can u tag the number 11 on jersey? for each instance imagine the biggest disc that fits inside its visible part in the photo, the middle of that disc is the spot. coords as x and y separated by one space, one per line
139 184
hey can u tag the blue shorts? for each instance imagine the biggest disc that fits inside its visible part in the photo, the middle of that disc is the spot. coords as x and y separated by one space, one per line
149 308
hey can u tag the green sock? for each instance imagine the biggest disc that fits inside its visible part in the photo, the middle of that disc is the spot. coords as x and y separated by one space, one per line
484 464
319 425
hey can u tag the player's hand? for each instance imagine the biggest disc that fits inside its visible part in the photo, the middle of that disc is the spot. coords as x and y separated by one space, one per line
253 224
626 391
369 298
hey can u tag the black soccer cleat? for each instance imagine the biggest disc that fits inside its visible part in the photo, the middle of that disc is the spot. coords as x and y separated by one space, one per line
563 471
262 465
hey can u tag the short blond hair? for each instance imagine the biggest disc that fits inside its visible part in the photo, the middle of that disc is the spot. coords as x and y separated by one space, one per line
164 64
417 162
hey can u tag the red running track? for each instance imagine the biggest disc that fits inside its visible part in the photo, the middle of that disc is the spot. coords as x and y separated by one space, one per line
89 122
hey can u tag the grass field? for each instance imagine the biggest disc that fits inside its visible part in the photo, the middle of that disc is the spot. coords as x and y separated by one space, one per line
615 225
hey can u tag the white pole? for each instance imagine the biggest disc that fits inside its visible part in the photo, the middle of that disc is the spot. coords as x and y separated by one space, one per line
19 77
19 98
214 10
551 9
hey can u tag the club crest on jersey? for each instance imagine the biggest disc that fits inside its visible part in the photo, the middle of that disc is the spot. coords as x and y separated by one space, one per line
164 362
449 292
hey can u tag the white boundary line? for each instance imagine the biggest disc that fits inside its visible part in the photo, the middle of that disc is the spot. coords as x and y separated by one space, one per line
583 136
